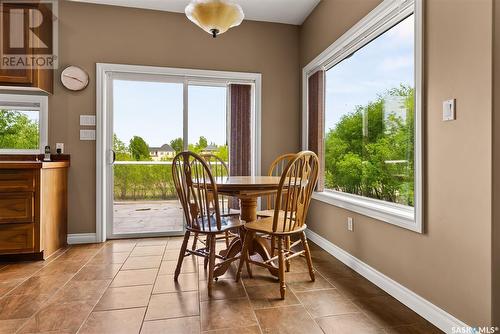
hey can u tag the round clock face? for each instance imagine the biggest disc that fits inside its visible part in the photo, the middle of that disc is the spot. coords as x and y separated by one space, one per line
74 78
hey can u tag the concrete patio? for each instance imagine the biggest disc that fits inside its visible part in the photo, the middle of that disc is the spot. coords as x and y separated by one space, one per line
147 217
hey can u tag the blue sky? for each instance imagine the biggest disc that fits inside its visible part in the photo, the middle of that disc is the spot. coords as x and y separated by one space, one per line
153 110
384 63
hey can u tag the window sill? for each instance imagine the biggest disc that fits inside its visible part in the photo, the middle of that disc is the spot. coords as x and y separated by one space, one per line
20 152
395 214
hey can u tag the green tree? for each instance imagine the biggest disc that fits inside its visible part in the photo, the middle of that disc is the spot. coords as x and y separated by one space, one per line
370 151
122 174
139 149
18 131
177 144
121 150
201 144
223 152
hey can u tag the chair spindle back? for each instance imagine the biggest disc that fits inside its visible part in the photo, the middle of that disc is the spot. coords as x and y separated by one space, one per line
219 169
197 192
297 184
276 169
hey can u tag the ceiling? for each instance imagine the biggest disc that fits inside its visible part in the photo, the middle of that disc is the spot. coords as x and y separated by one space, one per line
281 11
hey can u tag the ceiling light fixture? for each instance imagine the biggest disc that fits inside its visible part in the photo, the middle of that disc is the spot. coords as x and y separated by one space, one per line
214 16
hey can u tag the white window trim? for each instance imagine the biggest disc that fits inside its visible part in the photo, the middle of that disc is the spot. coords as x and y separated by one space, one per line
104 74
43 127
383 17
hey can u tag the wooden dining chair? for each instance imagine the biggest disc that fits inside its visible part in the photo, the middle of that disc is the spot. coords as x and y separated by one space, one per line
276 169
219 169
296 186
197 192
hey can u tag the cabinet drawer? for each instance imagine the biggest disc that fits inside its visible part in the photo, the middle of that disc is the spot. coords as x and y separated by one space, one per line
16 180
16 238
16 207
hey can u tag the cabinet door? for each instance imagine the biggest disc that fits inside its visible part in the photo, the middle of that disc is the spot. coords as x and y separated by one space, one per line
17 180
21 77
17 238
17 207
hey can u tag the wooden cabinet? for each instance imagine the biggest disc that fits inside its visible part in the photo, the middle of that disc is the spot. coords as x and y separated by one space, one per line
33 208
17 238
27 77
39 80
17 207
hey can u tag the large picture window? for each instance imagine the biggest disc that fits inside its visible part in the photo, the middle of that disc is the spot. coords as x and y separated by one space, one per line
363 116
369 117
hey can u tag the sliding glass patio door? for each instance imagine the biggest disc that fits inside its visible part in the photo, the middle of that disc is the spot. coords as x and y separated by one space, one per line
152 118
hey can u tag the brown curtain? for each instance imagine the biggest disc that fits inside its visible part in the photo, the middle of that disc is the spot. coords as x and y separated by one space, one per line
240 138
240 147
316 124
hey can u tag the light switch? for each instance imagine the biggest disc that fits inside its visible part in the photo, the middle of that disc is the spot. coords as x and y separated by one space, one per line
449 110
87 120
350 224
87 134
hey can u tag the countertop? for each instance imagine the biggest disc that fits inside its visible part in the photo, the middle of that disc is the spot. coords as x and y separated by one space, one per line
12 164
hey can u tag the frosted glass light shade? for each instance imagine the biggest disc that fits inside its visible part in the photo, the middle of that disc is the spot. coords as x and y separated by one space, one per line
214 16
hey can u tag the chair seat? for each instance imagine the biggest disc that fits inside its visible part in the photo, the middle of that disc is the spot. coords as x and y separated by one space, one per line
265 225
228 222
265 213
269 213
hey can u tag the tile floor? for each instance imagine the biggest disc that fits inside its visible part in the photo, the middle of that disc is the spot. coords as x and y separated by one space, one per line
127 286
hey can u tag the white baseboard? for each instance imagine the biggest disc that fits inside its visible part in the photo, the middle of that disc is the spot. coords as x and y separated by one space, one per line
82 238
435 315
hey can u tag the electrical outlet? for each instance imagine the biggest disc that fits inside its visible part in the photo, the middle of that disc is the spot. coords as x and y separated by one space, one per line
60 146
350 224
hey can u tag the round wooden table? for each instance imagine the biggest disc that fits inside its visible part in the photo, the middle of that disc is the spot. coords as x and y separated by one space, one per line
247 189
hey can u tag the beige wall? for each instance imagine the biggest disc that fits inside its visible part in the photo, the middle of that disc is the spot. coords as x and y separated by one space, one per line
496 166
449 265
90 34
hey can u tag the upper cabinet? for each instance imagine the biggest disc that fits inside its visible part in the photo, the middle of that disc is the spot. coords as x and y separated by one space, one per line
27 48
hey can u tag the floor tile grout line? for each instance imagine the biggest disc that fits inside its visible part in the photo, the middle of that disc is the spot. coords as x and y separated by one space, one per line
347 298
33 274
199 289
107 287
152 289
298 299
97 251
361 311
351 300
49 299
251 305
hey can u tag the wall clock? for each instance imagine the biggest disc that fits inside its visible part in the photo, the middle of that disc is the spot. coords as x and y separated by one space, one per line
74 78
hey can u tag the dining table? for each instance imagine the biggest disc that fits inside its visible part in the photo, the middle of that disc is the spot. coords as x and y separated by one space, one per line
247 189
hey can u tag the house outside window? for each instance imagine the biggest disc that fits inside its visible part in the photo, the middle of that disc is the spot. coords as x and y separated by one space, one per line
162 153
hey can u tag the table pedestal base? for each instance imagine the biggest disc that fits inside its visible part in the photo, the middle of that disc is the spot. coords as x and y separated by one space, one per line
260 248
248 206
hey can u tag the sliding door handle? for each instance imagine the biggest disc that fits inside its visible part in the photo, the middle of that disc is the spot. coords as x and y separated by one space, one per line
112 157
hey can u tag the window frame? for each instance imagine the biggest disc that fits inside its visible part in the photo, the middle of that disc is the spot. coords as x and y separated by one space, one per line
379 20
42 100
